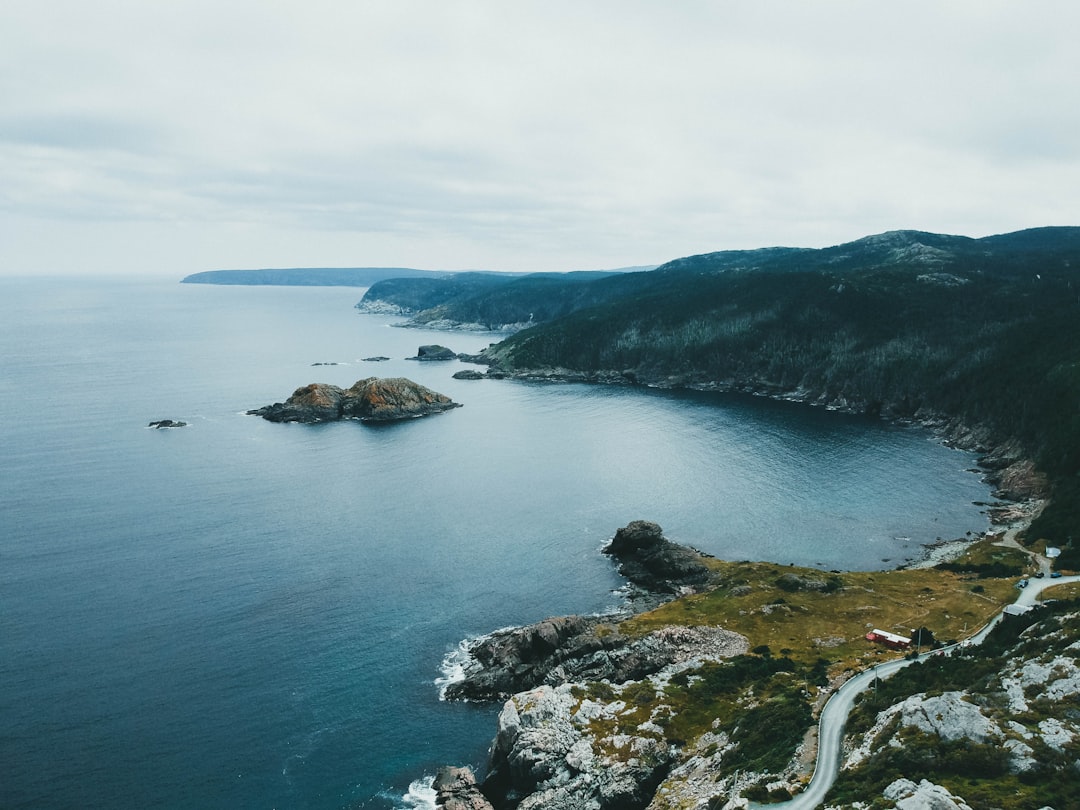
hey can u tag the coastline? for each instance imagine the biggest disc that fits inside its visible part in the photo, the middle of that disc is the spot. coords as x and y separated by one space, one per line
1008 517
539 708
1018 501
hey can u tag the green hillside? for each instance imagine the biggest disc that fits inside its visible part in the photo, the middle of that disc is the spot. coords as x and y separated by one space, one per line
903 324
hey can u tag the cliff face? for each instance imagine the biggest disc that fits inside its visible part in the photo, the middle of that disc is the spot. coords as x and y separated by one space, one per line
369 400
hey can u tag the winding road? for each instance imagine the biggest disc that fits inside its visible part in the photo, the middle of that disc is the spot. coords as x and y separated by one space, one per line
834 715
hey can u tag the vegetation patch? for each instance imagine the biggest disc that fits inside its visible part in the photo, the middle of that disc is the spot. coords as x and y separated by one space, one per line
981 773
831 622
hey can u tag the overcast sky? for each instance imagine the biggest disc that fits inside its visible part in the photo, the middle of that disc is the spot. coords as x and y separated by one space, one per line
165 138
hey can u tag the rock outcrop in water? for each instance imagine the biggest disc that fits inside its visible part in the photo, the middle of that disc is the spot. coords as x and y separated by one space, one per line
548 752
456 789
654 563
434 351
369 400
577 648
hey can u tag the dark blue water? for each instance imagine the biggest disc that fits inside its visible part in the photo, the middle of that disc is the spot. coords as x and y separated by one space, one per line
245 614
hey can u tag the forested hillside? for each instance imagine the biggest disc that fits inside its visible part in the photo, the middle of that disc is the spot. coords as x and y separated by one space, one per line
903 324
494 301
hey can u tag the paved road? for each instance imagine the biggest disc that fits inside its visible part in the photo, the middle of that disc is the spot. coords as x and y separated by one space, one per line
834 715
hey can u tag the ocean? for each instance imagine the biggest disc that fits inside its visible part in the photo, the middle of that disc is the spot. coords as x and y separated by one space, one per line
246 614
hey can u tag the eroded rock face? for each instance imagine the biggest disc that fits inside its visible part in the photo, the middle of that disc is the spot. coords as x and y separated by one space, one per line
590 648
456 789
544 752
372 399
581 648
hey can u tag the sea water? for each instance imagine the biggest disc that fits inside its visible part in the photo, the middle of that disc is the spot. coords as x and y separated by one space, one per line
246 614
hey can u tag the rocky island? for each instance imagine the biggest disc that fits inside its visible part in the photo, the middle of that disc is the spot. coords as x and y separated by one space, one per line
372 399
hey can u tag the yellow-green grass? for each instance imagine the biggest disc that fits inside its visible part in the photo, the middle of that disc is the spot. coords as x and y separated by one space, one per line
807 625
1069 590
986 551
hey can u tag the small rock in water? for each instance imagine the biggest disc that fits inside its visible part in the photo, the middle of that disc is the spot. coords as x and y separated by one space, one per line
434 352
167 423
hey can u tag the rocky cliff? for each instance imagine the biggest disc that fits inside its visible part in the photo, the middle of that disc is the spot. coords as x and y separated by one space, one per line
561 740
369 400
577 648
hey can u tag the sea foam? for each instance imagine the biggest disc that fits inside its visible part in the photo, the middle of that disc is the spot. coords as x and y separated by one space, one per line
421 795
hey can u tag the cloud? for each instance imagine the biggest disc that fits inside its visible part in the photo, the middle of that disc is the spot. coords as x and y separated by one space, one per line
528 135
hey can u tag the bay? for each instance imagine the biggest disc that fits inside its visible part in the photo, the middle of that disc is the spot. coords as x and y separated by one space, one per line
245 614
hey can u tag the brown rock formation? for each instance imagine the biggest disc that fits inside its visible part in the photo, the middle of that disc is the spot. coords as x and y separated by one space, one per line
369 400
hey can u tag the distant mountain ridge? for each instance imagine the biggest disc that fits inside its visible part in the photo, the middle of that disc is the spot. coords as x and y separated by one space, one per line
309 276
353 276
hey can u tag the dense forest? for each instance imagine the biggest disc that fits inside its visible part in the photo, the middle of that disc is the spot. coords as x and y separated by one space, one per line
494 301
903 324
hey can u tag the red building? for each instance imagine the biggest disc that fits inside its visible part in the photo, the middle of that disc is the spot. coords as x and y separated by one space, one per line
890 640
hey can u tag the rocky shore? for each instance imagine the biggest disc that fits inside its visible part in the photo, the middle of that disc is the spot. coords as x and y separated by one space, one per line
544 753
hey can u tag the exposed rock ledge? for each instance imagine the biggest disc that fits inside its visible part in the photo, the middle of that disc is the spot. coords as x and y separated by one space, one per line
577 648
543 755
654 563
369 400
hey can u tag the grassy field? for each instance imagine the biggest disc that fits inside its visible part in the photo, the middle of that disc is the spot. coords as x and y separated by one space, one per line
807 614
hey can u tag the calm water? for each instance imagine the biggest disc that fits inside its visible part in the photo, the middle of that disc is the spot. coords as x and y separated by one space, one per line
245 614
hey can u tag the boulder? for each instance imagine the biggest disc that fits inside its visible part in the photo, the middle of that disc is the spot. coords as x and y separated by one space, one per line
948 716
654 563
434 352
369 400
456 789
923 796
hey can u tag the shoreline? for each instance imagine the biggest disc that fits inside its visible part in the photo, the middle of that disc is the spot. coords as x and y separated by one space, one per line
545 702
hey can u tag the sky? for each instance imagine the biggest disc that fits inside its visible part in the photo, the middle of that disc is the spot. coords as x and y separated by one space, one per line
168 137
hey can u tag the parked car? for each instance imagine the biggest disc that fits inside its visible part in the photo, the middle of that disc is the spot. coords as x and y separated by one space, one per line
1022 583
1055 575
1039 575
